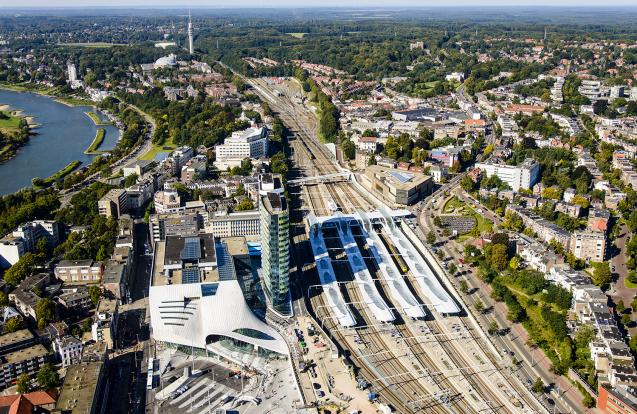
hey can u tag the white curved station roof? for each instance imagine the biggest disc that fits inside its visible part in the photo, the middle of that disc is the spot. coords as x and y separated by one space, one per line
325 271
366 285
440 299
397 286
187 314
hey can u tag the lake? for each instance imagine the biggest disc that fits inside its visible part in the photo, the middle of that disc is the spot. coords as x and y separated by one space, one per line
63 134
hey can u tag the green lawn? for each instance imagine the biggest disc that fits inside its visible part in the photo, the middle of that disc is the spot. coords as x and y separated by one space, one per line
97 141
96 118
41 183
75 101
298 35
629 284
458 207
167 146
11 123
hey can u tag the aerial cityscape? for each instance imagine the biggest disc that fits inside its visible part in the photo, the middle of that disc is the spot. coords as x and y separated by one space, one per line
318 209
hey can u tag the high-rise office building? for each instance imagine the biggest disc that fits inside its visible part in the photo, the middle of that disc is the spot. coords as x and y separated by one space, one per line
275 243
72 72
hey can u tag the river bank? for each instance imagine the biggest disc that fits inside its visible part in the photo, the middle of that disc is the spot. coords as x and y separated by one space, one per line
64 134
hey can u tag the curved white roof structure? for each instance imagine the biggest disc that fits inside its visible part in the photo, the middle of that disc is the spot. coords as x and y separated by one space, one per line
326 275
440 299
187 314
397 286
370 294
170 60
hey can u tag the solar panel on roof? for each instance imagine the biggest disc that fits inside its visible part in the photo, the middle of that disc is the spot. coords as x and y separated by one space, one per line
402 177
192 249
190 275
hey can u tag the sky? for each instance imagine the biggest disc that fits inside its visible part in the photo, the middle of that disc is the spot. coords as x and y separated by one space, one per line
308 3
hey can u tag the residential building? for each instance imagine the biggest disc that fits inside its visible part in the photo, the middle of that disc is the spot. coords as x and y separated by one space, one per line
139 193
24 361
115 278
104 328
251 143
79 271
275 242
617 400
241 223
368 144
448 156
114 203
37 402
69 349
24 238
25 297
11 342
522 176
185 223
77 299
194 169
395 186
84 390
592 89
545 230
167 201
139 168
589 245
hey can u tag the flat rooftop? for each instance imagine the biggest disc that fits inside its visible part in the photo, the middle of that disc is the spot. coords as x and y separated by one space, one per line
15 337
399 179
80 386
159 277
25 354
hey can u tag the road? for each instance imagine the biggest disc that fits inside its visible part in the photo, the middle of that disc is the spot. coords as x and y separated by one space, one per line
66 195
534 362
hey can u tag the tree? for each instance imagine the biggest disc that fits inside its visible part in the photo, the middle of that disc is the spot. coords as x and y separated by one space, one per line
538 385
498 257
452 268
48 377
479 306
45 312
494 328
514 263
431 238
21 269
95 294
130 180
13 324
633 304
626 319
245 204
4 299
620 307
602 274
24 384
349 149
464 287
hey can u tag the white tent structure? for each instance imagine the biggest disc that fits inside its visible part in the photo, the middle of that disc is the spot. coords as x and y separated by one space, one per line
198 314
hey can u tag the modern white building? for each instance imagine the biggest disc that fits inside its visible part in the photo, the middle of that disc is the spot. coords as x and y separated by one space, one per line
250 143
207 313
521 176
275 242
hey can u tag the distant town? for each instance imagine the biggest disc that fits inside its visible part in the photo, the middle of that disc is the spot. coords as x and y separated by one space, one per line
318 211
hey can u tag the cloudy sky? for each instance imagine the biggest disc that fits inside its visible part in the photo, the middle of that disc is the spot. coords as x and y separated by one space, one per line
310 3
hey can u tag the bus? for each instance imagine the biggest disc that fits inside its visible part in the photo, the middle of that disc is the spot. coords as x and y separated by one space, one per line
151 369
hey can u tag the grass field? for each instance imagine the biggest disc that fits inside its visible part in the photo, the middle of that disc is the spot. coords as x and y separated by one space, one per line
458 207
75 101
97 141
629 284
41 183
298 35
168 146
11 123
96 118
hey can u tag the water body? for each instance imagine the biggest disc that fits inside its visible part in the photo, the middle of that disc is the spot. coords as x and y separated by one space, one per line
63 134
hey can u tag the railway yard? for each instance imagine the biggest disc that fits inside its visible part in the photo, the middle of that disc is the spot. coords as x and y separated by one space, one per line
406 339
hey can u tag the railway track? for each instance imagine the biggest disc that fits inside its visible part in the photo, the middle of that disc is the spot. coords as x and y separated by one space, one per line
406 385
